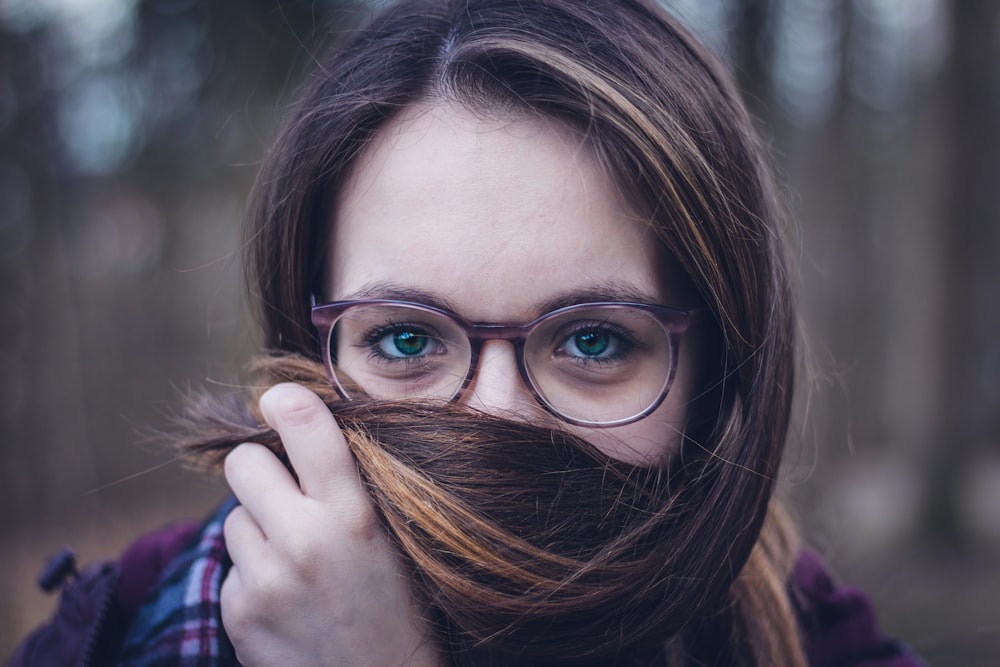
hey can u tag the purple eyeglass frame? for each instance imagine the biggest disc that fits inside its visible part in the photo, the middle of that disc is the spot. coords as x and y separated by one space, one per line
674 323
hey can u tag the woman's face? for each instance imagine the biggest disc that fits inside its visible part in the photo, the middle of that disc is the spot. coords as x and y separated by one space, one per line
498 220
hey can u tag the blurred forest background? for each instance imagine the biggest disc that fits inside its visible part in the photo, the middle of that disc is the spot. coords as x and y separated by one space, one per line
130 133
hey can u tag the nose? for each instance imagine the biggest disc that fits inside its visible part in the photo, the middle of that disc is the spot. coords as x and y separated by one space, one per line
497 387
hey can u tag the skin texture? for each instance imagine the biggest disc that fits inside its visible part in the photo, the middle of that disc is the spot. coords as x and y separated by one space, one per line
499 220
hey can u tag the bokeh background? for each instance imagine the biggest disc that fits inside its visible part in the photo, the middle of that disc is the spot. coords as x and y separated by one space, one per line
130 133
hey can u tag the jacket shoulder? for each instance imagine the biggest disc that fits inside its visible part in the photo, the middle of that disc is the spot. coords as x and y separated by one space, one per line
839 624
97 604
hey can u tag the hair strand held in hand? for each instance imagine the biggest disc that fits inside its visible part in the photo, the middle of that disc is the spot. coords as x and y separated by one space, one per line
526 542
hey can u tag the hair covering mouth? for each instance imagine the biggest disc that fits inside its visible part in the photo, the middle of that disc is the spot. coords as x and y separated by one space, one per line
523 540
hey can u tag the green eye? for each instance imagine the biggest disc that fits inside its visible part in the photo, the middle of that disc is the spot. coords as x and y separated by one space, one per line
591 343
404 344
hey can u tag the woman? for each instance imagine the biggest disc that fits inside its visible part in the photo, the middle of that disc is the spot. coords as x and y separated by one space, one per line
538 253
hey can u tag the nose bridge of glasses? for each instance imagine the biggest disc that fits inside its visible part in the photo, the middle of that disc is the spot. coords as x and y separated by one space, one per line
513 333
497 381
480 335
503 350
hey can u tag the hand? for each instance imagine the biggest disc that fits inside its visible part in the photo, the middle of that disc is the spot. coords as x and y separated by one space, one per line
314 580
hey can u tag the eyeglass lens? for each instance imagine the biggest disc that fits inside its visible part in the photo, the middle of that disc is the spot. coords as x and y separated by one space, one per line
598 364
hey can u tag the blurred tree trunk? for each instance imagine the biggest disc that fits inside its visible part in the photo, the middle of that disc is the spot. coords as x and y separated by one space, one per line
970 242
29 192
751 50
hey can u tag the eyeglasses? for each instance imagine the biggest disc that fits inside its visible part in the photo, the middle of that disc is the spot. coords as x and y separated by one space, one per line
591 364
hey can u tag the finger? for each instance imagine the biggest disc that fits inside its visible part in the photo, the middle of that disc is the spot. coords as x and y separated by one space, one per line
262 484
231 602
313 441
244 538
232 587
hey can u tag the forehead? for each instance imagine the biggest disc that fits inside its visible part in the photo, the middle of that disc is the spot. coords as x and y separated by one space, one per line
497 216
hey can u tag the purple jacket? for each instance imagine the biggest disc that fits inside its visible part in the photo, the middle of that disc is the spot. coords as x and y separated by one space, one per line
97 604
838 622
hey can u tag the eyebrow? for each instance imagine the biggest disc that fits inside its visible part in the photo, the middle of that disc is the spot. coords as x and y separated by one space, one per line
597 293
608 291
396 292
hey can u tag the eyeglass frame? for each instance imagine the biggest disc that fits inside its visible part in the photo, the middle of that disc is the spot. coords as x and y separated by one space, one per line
673 320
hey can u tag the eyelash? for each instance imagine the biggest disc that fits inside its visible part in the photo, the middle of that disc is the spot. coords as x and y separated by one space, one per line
627 339
370 342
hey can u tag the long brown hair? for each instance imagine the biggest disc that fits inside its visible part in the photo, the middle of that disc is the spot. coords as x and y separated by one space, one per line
668 125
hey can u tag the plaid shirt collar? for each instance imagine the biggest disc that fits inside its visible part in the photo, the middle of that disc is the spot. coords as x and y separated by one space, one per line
182 623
